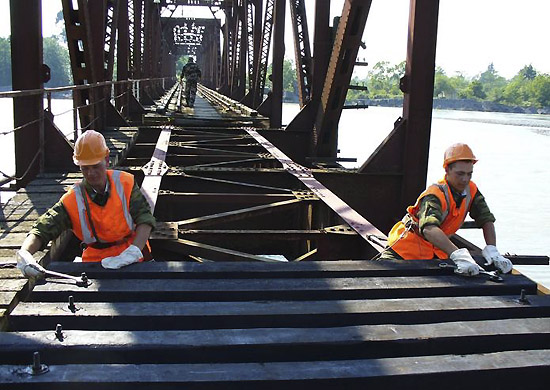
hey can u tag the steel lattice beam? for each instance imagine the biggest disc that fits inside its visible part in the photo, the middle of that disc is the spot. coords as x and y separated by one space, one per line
261 70
111 21
79 42
346 46
302 50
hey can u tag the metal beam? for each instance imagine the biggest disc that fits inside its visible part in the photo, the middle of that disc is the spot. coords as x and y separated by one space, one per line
417 85
208 220
27 73
276 103
346 45
302 50
261 70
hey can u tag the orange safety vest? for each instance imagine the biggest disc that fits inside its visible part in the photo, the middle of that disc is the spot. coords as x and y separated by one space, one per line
406 240
112 222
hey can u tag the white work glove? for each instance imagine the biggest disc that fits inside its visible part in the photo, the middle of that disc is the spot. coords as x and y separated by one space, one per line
465 264
492 255
130 255
28 265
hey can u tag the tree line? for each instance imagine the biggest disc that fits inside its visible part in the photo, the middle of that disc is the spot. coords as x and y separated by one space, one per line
527 88
56 56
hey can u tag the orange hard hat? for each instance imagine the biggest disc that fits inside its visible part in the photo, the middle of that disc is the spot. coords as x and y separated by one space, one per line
458 152
90 148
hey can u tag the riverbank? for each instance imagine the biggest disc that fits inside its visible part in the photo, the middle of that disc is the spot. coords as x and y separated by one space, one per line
459 104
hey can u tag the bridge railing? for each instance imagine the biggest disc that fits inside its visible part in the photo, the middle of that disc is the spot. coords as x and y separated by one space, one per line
124 95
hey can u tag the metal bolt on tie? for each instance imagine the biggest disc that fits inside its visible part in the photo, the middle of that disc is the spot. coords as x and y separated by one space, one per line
37 368
71 306
59 332
523 297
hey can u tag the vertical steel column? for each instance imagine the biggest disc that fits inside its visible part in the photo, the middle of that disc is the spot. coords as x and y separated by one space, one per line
250 42
136 33
26 68
417 84
123 57
96 23
96 14
225 82
254 23
238 83
277 68
322 48
147 66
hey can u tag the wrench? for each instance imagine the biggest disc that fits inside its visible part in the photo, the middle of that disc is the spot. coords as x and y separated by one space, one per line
81 281
493 276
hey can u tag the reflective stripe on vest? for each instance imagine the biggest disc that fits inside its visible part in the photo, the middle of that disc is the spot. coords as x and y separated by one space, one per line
122 196
87 235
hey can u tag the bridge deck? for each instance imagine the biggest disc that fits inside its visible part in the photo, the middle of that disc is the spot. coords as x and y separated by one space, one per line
188 321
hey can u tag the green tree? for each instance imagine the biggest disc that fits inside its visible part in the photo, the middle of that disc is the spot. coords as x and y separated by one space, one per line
541 90
493 84
477 89
57 58
528 72
443 87
383 80
5 62
290 79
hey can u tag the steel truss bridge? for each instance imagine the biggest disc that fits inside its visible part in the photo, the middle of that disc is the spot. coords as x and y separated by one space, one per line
264 245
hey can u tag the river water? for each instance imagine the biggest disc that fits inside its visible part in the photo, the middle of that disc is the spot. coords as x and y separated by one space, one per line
513 171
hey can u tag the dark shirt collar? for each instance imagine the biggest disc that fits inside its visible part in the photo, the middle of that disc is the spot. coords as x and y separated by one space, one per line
96 197
457 196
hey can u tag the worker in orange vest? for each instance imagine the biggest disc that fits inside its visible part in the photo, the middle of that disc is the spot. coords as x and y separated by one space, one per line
106 211
440 211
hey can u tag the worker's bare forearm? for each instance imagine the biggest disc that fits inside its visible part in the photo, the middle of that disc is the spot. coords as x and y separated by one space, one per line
439 239
32 243
489 233
142 235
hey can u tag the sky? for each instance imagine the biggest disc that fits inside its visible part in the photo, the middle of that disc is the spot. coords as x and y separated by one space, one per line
471 33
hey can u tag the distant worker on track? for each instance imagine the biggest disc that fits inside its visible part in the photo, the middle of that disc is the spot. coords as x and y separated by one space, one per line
106 211
192 74
440 211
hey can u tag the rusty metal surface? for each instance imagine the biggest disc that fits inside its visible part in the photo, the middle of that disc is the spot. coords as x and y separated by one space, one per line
26 65
302 50
259 281
346 45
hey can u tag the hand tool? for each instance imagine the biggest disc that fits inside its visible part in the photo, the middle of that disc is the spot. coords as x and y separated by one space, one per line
81 281
493 276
